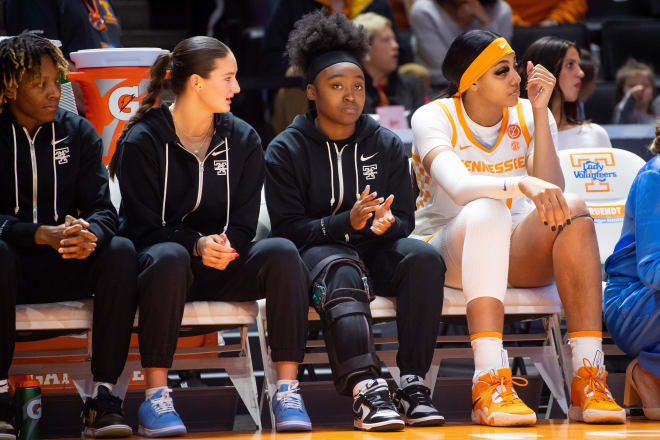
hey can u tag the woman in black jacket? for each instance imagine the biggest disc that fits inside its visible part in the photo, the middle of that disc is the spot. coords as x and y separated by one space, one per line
58 225
190 175
337 185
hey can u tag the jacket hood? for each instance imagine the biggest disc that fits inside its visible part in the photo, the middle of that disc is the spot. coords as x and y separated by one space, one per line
364 127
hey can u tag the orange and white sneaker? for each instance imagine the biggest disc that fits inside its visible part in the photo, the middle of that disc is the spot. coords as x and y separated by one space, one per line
496 403
591 400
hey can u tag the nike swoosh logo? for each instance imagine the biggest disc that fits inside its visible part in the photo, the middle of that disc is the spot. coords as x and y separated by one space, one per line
61 140
362 158
502 46
465 147
219 152
475 402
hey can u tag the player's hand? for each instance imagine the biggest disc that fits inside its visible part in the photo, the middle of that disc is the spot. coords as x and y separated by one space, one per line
78 242
216 251
549 201
540 84
364 208
383 217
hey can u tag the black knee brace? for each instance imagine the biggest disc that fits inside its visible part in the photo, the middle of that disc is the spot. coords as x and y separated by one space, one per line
345 311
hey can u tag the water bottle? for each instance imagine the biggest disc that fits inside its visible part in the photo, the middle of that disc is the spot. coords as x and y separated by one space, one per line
28 397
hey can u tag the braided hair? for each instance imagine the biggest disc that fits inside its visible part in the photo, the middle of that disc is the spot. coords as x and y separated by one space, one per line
22 54
195 55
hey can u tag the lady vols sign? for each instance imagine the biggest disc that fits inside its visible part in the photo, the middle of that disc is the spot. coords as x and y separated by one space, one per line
113 82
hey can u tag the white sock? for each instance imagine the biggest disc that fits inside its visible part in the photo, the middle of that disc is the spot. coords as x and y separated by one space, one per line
361 384
97 385
410 379
586 347
149 392
290 383
489 354
4 386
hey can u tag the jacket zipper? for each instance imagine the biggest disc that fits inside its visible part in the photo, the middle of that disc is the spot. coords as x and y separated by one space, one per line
340 176
33 158
200 176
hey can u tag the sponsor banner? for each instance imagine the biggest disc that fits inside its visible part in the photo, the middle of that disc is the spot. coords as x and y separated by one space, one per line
607 214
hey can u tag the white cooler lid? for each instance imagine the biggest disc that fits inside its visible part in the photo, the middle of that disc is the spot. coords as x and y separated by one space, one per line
117 57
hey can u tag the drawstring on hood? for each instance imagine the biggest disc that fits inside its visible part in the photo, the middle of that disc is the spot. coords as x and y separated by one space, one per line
340 172
167 169
228 193
52 142
13 132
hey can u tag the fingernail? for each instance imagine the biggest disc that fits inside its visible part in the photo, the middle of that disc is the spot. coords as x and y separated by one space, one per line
545 223
554 228
568 222
561 228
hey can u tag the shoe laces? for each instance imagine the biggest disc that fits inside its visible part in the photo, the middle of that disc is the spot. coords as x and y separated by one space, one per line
164 403
418 395
504 387
290 399
596 387
378 397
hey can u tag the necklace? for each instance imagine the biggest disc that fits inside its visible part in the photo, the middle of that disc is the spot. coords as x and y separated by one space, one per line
195 144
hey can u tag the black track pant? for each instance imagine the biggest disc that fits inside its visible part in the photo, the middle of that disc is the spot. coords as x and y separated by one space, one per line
39 275
269 268
408 269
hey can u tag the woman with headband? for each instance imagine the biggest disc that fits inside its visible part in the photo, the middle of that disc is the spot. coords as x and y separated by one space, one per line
190 175
338 186
491 202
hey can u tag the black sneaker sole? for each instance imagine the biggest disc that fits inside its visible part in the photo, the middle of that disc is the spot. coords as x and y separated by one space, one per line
111 431
425 421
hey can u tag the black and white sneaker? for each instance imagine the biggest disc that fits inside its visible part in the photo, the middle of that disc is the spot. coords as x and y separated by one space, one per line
414 403
103 417
7 417
373 409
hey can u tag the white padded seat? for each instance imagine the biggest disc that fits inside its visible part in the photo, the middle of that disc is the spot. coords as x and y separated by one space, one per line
536 301
217 313
55 316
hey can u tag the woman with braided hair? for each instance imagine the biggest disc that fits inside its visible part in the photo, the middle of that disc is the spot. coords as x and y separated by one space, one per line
338 186
190 175
58 225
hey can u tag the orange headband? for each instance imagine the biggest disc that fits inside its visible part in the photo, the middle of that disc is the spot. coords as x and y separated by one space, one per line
497 49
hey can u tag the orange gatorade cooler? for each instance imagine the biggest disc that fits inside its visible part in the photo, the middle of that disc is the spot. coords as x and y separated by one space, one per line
113 83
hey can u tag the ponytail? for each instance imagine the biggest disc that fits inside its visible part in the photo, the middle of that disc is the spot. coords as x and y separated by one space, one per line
655 146
158 72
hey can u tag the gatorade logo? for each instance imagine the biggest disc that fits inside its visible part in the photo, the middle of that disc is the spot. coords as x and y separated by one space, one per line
33 408
123 102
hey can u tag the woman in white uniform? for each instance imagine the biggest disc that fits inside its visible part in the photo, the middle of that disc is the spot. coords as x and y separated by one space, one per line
491 201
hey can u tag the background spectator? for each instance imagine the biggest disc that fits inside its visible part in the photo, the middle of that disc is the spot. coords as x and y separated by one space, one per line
78 24
589 66
562 59
384 84
635 90
287 12
436 23
547 12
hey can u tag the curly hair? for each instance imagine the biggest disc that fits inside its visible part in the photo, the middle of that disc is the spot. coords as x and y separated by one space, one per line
22 54
316 33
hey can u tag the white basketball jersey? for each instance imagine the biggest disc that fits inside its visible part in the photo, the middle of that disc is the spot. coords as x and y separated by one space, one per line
443 123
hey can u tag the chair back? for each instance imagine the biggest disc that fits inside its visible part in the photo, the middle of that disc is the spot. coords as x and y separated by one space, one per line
602 177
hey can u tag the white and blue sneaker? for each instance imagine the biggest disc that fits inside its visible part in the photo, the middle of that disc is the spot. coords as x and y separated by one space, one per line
158 418
289 409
